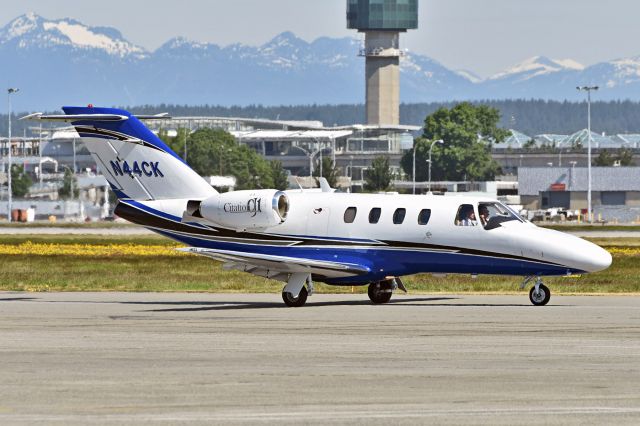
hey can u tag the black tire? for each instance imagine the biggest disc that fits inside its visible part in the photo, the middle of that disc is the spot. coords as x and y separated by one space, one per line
378 294
543 296
295 302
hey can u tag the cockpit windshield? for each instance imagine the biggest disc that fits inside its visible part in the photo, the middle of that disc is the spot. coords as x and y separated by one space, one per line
494 213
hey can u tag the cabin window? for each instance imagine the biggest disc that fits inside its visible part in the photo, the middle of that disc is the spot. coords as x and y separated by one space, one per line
398 216
374 215
350 214
493 214
424 216
466 216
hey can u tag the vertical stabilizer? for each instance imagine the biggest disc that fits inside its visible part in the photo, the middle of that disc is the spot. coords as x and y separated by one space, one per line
137 164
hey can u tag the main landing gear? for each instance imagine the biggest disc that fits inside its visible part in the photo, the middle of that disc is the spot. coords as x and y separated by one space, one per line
295 294
295 302
381 291
539 294
300 286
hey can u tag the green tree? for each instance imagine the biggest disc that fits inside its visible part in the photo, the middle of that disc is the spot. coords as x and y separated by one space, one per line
20 181
468 132
329 171
69 181
163 135
216 152
379 176
176 143
279 175
625 157
576 144
604 159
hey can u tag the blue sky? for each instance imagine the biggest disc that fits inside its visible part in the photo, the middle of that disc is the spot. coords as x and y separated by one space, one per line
483 36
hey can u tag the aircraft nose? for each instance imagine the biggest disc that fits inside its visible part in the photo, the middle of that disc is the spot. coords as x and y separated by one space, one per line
592 257
600 259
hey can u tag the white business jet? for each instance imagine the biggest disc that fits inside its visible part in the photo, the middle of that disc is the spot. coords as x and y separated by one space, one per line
341 239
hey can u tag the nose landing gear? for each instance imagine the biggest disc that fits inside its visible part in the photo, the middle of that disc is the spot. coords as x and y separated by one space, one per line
539 294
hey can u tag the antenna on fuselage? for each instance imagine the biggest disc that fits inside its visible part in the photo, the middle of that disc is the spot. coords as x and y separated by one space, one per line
324 185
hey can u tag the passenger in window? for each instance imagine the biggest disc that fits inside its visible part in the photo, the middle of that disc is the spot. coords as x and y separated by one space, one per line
467 216
484 214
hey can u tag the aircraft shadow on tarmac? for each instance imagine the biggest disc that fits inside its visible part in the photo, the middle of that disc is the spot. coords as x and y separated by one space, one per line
17 299
233 305
192 306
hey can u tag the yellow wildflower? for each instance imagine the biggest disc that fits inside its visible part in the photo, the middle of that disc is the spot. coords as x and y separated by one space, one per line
88 250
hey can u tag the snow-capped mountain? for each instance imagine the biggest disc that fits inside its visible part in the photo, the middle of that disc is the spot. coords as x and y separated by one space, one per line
63 61
32 31
536 67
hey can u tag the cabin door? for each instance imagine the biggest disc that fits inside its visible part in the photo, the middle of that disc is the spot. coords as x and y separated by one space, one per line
318 222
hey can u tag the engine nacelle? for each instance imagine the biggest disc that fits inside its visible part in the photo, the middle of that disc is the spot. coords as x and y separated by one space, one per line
245 209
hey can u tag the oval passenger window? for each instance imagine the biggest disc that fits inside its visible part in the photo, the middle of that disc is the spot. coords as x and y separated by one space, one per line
424 216
374 215
398 216
350 215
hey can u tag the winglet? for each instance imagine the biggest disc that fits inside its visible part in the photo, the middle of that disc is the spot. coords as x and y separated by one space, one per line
34 116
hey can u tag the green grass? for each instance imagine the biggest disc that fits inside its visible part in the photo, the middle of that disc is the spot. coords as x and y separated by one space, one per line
198 274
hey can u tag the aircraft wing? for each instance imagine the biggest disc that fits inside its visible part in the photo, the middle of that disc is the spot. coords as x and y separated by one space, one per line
278 267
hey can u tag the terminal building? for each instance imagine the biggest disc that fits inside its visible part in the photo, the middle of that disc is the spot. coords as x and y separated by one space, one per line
300 145
553 150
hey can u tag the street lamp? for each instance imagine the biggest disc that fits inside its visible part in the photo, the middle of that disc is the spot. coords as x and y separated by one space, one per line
10 92
440 141
573 167
588 89
415 145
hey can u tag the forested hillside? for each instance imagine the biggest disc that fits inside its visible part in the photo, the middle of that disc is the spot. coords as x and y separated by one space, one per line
531 117
528 116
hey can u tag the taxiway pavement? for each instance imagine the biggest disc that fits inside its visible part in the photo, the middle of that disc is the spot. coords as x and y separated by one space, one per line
106 358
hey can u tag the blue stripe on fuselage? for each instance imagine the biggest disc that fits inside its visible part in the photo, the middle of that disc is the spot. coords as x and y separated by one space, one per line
385 263
382 262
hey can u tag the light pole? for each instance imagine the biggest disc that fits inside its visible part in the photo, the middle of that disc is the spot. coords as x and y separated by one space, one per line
440 141
415 145
10 92
588 89
185 141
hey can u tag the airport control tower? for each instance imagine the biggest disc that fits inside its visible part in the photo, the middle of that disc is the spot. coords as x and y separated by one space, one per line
382 21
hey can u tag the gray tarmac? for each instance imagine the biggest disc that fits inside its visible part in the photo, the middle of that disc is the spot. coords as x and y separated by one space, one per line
60 230
131 358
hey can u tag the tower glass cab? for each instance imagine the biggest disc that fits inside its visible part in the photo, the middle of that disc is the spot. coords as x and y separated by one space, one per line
393 15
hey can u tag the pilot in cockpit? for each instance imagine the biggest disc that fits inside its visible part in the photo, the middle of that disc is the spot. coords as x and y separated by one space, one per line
484 214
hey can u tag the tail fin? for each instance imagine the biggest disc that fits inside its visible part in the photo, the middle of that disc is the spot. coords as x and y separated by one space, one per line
137 164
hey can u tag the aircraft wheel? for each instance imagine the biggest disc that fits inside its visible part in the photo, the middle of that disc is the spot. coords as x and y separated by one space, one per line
541 297
378 294
295 302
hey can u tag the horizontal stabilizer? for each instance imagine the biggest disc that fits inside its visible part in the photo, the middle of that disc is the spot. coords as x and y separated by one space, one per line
70 118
